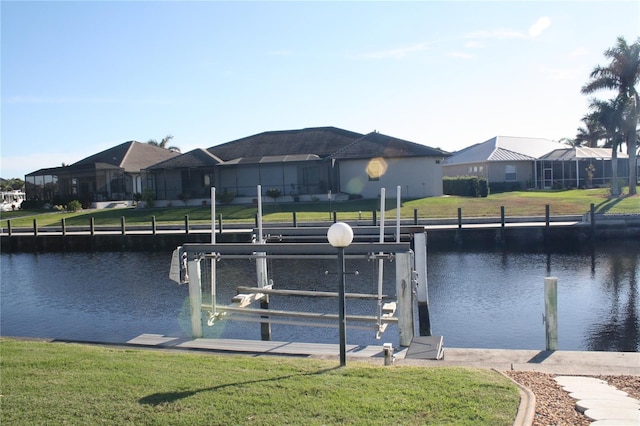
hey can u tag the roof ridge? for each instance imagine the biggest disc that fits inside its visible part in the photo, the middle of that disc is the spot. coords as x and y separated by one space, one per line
510 151
126 154
349 145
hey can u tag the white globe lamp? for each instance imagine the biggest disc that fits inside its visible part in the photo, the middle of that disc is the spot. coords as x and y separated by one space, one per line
340 234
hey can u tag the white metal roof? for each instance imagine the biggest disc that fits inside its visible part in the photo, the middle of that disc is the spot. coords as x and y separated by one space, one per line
504 148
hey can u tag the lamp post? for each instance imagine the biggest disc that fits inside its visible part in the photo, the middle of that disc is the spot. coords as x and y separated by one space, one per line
340 236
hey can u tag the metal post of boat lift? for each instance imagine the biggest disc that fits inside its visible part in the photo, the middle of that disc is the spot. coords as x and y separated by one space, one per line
422 289
398 205
261 271
381 261
212 269
195 295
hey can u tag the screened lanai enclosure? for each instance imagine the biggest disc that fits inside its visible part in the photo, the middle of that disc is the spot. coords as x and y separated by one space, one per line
579 167
88 183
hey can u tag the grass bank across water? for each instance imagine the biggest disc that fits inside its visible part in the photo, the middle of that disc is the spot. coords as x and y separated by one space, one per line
59 383
523 203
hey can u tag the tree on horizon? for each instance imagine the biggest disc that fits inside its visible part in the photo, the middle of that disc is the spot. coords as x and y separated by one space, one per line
609 115
622 75
163 143
591 133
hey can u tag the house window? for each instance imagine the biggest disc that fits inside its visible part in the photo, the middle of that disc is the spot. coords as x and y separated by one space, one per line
480 169
475 169
470 169
510 173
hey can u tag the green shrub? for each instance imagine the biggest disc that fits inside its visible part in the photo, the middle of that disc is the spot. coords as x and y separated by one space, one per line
499 187
149 197
465 186
273 193
226 196
483 188
74 206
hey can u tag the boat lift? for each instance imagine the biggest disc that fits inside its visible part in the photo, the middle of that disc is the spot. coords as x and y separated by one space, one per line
192 255
410 275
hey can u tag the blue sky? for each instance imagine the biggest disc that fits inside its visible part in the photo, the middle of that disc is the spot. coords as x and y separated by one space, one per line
80 77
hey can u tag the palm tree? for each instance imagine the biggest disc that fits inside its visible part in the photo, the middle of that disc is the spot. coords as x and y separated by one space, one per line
12 184
622 75
571 142
591 133
608 115
163 143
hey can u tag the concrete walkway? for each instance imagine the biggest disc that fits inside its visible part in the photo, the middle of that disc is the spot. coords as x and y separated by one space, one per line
556 362
601 402
552 362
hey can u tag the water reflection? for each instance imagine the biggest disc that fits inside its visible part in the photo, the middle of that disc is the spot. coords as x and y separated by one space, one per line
619 328
487 299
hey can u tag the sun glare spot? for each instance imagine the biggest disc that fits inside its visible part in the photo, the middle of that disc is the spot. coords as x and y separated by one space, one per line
376 168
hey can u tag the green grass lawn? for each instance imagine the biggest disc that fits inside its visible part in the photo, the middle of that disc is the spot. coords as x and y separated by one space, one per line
523 203
58 383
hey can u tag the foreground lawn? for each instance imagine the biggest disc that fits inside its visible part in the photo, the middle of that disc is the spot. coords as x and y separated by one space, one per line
56 383
523 203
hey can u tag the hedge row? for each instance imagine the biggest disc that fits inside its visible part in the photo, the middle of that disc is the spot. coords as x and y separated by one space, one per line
497 187
465 186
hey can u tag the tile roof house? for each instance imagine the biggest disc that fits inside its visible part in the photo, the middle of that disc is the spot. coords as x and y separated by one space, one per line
501 159
320 141
293 161
111 175
302 164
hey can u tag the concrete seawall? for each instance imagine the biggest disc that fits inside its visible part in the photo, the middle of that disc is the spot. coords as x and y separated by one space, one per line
516 232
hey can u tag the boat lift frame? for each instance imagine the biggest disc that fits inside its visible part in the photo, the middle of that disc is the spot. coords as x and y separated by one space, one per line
401 253
411 278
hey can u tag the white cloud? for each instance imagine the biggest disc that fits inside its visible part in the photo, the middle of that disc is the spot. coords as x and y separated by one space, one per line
398 53
539 26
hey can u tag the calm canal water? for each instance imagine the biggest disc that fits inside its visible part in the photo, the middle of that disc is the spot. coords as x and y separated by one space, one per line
483 299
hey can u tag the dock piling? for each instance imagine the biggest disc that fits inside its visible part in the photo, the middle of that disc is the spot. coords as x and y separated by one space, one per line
551 313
